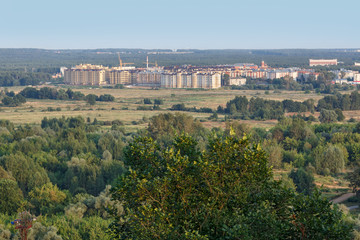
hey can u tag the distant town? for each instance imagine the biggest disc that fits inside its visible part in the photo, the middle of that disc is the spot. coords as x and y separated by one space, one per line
188 76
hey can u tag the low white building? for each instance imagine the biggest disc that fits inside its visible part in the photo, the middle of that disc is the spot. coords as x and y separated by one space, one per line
322 62
237 81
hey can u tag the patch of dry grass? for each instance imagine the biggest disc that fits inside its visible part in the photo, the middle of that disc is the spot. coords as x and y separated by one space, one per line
128 99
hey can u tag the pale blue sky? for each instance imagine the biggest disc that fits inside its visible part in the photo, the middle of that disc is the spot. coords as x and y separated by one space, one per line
201 24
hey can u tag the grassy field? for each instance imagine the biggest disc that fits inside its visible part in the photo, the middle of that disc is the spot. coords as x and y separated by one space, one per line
128 99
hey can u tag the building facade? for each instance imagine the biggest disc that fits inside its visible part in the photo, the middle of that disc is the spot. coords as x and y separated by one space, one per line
148 78
191 80
94 77
118 77
322 62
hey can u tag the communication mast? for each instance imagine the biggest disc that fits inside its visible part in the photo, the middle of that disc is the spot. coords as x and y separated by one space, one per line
23 223
147 63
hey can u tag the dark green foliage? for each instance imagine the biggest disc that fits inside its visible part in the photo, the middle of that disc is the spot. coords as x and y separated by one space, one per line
146 108
48 61
354 179
51 93
225 80
158 101
296 159
65 152
25 170
119 86
340 115
30 92
239 104
147 101
22 79
179 107
303 180
328 116
47 199
105 98
343 102
330 158
13 101
222 193
91 99
170 124
258 108
10 197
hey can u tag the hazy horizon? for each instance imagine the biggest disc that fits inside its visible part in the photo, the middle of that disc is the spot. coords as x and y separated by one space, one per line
204 49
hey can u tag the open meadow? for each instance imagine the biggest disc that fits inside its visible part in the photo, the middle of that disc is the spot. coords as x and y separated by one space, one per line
127 100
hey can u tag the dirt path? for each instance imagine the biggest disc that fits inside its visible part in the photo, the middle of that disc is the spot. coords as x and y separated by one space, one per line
342 198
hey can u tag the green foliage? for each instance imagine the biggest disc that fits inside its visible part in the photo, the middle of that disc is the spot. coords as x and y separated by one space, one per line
293 157
275 153
11 196
105 98
182 174
147 101
239 129
303 180
340 101
328 116
47 199
70 228
13 101
119 86
354 178
5 234
340 115
158 101
27 173
170 124
258 108
91 99
224 192
38 231
17 78
187 182
331 157
51 93
85 205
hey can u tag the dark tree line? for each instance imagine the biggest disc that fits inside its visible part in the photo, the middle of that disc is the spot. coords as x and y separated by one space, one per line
330 107
259 108
22 78
52 93
12 100
343 102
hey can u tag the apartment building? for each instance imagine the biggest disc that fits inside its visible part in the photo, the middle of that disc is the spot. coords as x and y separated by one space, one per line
282 73
149 78
118 77
322 62
191 80
92 75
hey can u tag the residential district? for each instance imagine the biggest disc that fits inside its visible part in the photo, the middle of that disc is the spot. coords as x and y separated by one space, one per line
187 76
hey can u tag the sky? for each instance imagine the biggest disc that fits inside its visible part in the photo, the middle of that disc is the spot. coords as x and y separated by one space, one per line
174 24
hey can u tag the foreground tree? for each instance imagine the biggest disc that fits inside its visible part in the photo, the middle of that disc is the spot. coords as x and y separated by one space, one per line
225 192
